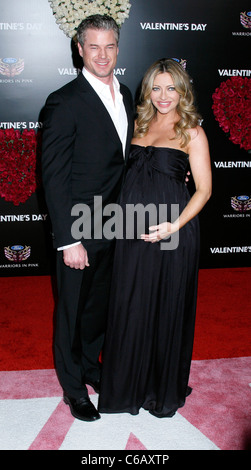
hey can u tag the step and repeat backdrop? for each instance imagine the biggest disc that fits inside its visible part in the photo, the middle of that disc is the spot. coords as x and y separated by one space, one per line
210 38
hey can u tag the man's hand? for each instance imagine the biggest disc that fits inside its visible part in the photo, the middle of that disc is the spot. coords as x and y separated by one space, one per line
76 257
187 177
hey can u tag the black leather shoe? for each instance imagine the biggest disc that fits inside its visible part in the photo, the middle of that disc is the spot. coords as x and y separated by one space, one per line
95 384
82 409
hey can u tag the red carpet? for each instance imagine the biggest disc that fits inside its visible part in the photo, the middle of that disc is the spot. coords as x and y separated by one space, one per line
27 305
216 415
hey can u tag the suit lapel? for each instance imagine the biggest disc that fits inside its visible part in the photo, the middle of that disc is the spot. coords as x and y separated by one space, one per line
129 112
95 103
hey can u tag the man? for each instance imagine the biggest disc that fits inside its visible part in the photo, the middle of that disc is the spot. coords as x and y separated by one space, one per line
87 131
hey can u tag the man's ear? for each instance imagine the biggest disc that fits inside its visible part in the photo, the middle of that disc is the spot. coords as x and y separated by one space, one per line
80 50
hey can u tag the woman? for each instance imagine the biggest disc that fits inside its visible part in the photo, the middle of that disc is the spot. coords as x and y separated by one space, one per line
149 339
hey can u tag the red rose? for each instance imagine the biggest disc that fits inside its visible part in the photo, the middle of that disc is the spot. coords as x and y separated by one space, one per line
232 109
18 164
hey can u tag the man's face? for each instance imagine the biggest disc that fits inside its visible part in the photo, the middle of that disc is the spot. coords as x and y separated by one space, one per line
99 53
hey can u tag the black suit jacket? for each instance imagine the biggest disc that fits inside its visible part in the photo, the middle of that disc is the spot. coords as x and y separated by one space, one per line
82 154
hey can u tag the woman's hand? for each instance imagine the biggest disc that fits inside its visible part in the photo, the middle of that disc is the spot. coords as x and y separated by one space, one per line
159 232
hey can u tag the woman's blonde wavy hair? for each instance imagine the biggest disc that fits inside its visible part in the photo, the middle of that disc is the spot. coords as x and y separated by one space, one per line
146 111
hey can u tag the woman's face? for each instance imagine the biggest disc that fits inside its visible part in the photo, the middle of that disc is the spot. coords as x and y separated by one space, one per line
164 96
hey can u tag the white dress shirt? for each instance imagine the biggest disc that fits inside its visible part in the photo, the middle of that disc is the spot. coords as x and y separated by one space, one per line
115 108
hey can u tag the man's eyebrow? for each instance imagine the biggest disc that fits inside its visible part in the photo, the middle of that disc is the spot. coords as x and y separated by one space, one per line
97 45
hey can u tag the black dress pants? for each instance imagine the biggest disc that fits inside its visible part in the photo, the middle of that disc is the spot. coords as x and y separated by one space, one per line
83 298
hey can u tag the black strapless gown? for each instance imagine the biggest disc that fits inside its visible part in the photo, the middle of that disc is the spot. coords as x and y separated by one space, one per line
150 329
